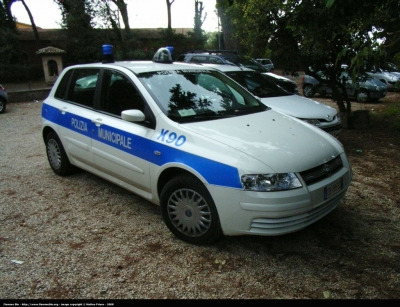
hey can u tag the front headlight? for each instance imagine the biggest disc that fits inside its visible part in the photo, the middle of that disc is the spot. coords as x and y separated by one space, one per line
270 182
314 122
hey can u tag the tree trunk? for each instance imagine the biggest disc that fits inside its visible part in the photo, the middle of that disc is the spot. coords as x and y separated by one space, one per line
229 40
122 7
34 28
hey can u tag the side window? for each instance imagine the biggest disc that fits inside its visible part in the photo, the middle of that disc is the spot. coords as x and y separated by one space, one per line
62 86
119 94
198 59
215 60
83 86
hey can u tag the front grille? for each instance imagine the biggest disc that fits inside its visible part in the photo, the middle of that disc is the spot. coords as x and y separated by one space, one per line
323 171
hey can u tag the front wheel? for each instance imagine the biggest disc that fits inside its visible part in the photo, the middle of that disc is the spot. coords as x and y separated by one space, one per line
308 91
56 155
189 211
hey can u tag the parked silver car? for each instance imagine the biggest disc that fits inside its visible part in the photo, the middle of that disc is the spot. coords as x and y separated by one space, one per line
386 77
310 111
392 68
267 63
364 89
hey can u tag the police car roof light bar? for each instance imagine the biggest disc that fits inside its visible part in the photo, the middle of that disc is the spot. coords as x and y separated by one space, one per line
163 55
107 53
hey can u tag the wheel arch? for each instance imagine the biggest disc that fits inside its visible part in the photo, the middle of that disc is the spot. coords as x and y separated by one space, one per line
171 172
46 130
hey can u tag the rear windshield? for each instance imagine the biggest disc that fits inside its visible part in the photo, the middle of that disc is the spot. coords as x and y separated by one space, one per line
258 84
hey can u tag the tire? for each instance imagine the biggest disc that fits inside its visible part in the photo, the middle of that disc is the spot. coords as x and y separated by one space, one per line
308 91
56 155
189 211
2 106
362 96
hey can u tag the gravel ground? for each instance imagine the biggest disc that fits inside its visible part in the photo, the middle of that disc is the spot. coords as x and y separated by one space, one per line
80 237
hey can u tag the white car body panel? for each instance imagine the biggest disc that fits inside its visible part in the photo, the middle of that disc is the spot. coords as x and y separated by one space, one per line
300 107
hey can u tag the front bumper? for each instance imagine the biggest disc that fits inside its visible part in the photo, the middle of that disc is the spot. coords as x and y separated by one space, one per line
277 213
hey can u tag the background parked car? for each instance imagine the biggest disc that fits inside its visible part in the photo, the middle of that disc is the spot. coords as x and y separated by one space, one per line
272 95
287 84
3 99
267 63
386 77
227 57
364 89
391 68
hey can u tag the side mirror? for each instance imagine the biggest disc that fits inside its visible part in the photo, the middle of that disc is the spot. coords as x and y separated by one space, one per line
133 116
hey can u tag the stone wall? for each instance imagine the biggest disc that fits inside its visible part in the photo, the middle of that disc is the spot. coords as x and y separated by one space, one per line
28 95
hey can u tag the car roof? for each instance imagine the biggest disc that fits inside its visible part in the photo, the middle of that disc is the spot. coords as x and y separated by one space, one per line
143 66
227 68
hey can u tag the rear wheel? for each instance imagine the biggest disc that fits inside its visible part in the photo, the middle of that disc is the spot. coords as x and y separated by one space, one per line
56 155
362 96
2 106
189 211
308 91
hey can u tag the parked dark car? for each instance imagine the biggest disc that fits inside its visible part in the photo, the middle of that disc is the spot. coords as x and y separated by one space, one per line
3 99
365 89
229 57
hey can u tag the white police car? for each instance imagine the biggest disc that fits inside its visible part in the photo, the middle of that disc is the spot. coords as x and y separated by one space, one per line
192 140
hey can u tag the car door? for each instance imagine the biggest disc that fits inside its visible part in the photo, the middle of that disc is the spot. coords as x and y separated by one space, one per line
73 112
120 147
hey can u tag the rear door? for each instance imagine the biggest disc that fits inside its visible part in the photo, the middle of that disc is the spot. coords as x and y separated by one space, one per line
73 112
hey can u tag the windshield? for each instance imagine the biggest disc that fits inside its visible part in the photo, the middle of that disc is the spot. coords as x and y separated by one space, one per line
194 95
258 84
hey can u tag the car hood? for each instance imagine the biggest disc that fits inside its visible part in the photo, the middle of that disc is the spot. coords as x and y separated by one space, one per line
384 75
282 142
278 77
372 83
300 107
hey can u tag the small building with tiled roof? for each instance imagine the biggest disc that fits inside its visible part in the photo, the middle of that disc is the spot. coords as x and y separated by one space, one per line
52 63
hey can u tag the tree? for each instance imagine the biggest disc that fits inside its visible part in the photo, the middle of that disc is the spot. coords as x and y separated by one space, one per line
110 19
197 37
169 28
34 28
198 19
77 21
226 13
9 44
319 32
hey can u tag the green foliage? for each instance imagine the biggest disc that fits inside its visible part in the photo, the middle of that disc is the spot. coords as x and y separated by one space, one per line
315 33
213 40
9 43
